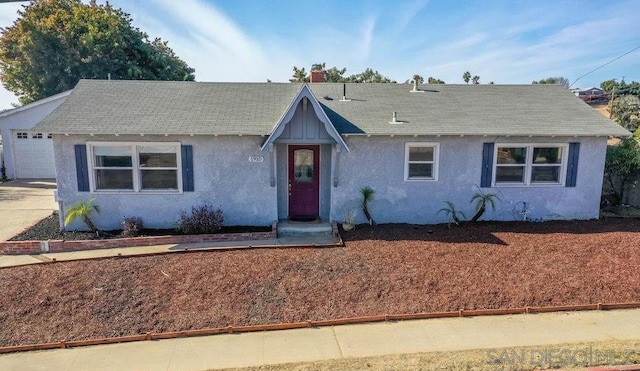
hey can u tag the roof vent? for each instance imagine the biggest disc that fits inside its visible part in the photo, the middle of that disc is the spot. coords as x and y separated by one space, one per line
394 119
344 94
415 87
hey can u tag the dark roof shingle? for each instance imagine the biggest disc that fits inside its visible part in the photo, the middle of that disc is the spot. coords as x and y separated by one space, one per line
163 107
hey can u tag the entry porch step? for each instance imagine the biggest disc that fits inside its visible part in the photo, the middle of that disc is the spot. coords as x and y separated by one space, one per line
289 228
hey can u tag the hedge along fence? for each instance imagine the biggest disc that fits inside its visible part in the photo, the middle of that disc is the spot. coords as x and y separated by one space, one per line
37 247
310 324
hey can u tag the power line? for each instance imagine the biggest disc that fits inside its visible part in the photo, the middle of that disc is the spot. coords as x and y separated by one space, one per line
611 61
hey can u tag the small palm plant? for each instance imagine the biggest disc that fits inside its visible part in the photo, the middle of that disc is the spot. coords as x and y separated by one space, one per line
455 216
367 196
82 209
482 199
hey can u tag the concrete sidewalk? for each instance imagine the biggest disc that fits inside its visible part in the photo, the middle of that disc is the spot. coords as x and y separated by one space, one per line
254 349
285 241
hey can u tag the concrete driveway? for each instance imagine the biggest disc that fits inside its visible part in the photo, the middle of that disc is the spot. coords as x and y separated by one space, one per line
23 203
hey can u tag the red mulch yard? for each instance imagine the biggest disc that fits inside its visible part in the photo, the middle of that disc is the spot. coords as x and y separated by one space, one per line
383 269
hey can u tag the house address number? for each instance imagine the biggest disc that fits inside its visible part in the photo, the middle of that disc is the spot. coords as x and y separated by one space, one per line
256 159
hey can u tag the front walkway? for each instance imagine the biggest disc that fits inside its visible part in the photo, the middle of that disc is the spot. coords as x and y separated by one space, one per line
283 241
365 340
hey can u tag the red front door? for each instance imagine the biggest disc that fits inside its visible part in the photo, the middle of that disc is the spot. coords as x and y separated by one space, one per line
304 182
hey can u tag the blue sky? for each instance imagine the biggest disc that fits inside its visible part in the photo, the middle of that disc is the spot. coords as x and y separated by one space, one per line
507 42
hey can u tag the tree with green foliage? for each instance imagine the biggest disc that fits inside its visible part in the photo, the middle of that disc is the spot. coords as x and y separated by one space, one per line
625 110
82 209
553 80
622 166
335 74
433 80
609 86
476 80
299 75
55 43
369 76
620 88
466 77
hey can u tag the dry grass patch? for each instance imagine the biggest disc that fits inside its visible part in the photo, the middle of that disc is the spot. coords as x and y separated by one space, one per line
566 356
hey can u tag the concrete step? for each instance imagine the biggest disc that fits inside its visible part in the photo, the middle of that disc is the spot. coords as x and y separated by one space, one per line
291 228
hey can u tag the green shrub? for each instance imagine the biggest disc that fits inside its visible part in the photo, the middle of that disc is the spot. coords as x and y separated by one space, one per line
203 219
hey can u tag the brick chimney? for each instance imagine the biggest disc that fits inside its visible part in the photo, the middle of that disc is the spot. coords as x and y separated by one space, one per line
316 76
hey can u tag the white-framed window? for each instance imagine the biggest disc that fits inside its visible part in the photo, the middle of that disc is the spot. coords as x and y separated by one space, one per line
21 135
135 167
421 161
520 164
36 136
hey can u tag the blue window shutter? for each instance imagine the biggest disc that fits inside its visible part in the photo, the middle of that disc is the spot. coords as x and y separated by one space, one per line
487 165
572 165
82 170
187 168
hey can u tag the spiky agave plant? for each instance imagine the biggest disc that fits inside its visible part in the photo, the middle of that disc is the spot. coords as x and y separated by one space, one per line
453 213
367 196
482 199
82 209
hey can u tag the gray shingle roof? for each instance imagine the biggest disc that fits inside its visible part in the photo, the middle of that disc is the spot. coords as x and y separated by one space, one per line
155 107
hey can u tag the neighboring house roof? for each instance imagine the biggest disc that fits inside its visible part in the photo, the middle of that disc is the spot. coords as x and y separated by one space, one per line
37 103
162 107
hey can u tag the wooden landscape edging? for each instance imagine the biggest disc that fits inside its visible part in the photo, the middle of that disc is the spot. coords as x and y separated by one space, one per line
310 324
38 247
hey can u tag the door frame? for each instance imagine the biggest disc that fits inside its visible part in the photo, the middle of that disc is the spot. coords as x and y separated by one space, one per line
288 168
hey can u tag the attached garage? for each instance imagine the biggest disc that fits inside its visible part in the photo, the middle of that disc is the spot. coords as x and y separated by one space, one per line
27 153
33 155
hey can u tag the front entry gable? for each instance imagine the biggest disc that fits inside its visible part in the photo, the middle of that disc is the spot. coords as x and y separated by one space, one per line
305 121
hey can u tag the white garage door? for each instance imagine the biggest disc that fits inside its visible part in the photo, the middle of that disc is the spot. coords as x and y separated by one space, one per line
33 154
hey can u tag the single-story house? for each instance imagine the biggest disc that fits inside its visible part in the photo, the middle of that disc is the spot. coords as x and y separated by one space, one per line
28 153
589 94
264 152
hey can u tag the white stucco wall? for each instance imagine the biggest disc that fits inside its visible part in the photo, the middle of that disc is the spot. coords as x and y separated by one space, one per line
24 118
223 177
378 162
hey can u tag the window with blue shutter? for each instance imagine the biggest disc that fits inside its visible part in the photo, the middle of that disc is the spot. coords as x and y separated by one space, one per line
572 164
487 165
82 169
187 168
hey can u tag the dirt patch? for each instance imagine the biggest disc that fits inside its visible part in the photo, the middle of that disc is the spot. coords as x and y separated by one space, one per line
382 269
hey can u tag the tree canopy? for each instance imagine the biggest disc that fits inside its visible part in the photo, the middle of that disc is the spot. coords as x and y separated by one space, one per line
466 77
622 166
55 43
335 74
621 88
553 80
625 110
